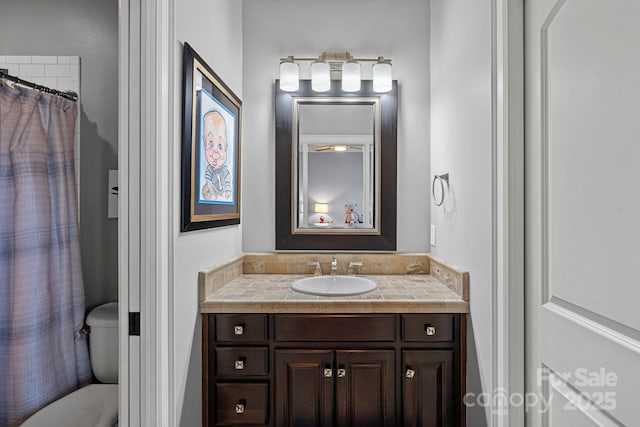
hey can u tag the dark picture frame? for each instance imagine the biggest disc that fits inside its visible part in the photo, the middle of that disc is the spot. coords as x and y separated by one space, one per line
211 147
285 238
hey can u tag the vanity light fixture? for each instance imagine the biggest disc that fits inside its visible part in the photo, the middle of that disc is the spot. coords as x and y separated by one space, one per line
381 75
289 80
339 148
351 76
320 76
344 62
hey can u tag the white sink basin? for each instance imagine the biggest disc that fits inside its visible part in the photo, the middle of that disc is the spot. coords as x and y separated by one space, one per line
334 285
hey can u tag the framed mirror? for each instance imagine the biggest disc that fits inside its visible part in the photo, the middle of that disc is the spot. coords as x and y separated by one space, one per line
336 168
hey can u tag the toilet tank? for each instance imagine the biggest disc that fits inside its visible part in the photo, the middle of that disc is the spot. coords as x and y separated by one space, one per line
103 342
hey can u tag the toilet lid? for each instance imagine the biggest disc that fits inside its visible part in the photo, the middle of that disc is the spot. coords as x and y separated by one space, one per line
95 405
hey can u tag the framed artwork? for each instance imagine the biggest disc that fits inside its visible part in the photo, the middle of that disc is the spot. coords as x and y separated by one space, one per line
211 138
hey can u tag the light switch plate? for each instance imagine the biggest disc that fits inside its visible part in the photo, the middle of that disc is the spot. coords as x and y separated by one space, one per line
433 235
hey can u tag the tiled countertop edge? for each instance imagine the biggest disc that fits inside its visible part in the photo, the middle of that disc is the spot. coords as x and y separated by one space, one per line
335 307
213 279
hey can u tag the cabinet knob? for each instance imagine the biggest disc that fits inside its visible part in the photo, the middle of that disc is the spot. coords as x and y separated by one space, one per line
342 373
239 364
328 372
410 373
430 330
238 330
240 407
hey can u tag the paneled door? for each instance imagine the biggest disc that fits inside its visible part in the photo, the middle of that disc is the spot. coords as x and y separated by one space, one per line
365 388
582 160
304 388
427 392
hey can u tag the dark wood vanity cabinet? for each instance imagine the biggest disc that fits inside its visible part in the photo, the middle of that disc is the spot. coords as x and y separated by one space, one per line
291 370
428 397
304 388
335 388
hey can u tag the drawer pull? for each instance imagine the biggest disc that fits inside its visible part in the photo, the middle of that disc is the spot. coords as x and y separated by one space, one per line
328 372
410 373
240 407
239 364
342 373
238 330
430 330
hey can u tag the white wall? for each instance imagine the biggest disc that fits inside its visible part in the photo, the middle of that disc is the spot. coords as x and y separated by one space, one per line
88 30
367 28
214 30
461 145
336 179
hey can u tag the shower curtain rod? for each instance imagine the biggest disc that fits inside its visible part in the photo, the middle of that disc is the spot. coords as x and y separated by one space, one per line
4 74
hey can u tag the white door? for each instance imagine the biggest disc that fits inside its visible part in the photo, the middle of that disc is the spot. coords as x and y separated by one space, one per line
582 62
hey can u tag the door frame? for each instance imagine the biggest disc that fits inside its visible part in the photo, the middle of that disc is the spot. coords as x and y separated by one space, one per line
507 183
145 227
146 50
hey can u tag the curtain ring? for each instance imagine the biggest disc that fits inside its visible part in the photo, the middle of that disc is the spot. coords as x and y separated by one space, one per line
444 178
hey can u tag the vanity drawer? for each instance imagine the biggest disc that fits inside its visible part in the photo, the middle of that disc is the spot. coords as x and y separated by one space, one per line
241 327
241 404
334 327
242 361
427 327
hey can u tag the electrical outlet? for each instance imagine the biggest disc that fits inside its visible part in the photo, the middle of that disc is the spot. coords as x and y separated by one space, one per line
433 235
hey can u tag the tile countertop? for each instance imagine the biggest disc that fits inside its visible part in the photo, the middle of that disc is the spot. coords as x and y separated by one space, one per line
272 293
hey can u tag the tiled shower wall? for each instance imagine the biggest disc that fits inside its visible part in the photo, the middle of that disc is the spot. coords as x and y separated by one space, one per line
57 72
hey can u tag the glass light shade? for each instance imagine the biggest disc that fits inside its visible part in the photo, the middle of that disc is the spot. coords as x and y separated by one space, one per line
382 77
320 76
340 148
322 208
289 76
351 76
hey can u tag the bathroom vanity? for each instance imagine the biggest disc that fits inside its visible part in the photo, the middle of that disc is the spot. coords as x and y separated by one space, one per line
392 357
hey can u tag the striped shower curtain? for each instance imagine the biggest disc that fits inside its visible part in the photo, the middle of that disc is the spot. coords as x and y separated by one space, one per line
43 354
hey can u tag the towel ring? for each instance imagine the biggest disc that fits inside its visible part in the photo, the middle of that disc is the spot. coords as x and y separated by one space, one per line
442 179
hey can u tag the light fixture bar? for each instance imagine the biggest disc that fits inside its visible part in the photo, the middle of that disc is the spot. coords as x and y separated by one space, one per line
337 57
335 61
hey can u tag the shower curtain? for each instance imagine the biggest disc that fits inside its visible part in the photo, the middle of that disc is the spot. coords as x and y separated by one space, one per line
43 353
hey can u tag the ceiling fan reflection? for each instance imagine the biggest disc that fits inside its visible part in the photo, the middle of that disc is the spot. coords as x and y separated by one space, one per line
338 148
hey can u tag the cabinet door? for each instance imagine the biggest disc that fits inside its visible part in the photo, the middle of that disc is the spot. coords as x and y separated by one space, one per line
365 388
304 388
427 388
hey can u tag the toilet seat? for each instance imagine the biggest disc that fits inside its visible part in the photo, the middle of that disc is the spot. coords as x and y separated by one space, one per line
95 405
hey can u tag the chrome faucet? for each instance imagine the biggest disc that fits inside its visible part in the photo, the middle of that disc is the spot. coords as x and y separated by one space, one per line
334 266
352 266
317 271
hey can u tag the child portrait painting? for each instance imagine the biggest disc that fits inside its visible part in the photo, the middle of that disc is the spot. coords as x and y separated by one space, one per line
216 136
211 147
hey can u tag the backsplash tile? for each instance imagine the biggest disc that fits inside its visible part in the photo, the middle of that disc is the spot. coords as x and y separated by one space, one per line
212 280
455 280
297 263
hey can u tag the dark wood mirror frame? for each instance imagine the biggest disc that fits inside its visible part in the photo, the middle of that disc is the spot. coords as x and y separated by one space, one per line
386 240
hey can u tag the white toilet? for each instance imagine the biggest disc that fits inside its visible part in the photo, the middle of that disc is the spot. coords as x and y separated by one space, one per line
95 405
